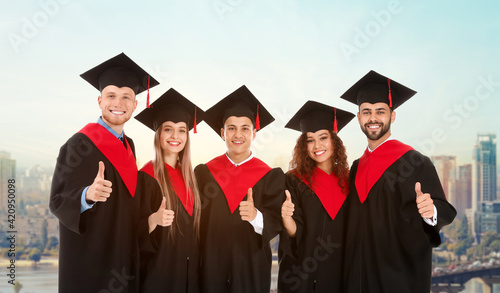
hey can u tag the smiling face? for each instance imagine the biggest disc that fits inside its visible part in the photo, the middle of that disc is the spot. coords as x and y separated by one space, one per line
117 105
375 121
173 138
238 133
320 148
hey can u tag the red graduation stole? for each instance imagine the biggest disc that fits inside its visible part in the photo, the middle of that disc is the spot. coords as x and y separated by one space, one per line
372 165
178 183
235 180
113 149
327 188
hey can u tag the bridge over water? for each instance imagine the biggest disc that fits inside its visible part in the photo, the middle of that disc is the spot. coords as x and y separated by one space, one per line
454 281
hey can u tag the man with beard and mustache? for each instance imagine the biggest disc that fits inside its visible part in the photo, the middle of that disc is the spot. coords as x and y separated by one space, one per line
396 205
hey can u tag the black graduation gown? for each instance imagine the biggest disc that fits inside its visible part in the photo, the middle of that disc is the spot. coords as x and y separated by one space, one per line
175 265
234 257
388 244
99 248
312 260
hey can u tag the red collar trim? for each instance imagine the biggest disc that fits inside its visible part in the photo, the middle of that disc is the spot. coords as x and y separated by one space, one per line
372 165
235 180
178 183
121 158
327 188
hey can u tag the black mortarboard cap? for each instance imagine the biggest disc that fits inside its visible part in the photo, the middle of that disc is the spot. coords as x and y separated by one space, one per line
240 103
171 106
120 71
376 88
314 116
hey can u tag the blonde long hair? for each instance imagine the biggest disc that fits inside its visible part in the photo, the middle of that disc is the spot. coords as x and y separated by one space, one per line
167 189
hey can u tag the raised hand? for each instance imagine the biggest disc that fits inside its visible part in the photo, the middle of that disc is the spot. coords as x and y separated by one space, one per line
100 190
287 207
247 208
424 201
162 217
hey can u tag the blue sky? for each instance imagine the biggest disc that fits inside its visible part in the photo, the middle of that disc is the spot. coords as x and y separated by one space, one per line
286 52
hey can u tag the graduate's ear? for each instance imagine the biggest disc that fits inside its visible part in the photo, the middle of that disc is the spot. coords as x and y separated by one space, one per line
99 100
222 134
393 116
254 133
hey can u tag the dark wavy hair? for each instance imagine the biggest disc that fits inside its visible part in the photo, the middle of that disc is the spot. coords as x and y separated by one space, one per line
303 166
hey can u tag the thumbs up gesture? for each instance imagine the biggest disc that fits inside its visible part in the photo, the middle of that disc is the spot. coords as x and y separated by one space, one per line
424 201
247 208
287 207
162 217
100 189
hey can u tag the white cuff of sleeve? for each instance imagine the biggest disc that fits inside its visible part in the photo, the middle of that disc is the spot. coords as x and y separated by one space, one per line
258 223
434 220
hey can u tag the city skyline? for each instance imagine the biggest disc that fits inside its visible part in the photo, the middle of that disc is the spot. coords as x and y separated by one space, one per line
286 52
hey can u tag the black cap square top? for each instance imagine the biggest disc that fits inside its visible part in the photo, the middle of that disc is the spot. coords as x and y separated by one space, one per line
171 106
314 116
376 88
120 71
240 103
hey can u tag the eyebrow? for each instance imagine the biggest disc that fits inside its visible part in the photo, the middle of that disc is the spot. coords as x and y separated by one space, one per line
376 109
233 125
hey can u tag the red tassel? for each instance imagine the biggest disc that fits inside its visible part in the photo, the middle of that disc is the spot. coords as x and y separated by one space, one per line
147 102
257 120
335 121
195 120
390 95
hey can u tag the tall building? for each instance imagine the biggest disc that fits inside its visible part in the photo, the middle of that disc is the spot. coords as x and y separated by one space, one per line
484 170
485 211
446 167
460 191
7 172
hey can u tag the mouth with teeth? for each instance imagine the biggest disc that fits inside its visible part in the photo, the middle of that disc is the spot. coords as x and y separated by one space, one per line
319 153
117 112
174 143
374 126
238 142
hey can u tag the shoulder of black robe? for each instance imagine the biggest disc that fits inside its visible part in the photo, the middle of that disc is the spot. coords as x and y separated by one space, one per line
415 167
131 144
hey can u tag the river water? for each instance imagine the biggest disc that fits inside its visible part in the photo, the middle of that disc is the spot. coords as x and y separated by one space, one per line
44 280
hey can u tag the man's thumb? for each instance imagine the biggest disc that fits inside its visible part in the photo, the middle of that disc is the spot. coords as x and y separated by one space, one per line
250 197
418 189
100 173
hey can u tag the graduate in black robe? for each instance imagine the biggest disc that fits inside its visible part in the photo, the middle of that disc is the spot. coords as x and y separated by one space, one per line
174 267
94 191
241 199
311 245
396 203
